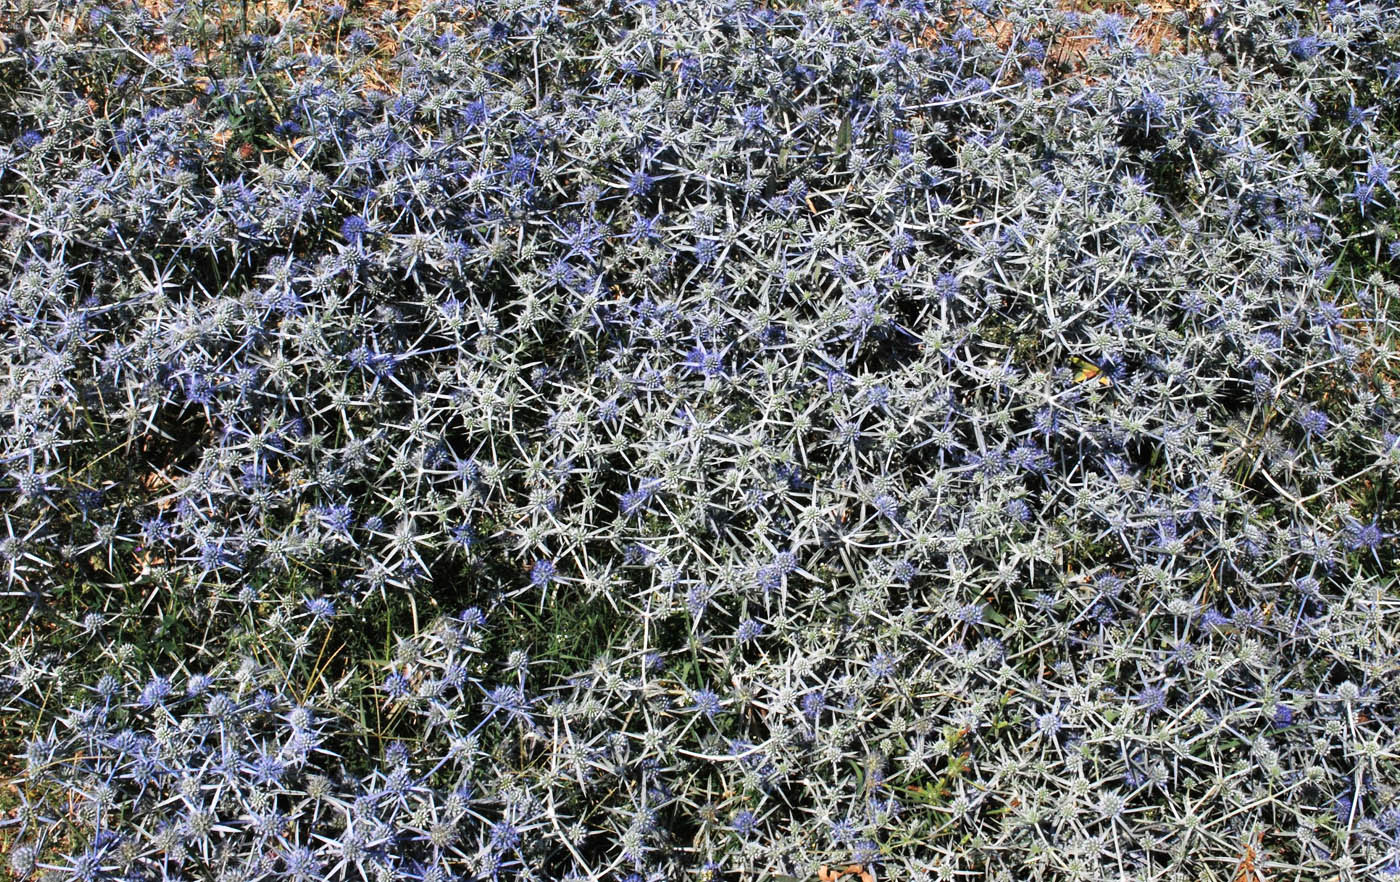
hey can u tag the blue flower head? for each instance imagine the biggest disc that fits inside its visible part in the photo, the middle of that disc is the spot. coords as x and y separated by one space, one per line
354 229
542 573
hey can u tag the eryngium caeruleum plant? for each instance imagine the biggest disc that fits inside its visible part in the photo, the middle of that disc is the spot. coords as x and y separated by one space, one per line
699 440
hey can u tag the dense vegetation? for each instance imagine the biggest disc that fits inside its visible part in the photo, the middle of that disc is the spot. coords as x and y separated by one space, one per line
660 439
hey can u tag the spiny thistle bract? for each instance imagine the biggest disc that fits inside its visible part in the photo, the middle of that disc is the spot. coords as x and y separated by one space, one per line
643 439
